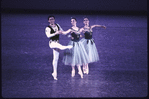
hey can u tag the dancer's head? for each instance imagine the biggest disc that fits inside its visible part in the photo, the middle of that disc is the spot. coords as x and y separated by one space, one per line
51 19
73 21
86 21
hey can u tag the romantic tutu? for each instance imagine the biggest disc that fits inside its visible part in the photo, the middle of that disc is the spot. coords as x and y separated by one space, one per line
75 56
91 49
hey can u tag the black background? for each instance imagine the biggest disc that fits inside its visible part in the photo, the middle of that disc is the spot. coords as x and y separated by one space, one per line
76 6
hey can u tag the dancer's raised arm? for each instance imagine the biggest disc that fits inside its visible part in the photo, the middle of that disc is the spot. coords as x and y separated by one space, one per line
98 26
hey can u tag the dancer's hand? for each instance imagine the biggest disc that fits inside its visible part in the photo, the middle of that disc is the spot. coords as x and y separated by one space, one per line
57 32
69 36
104 26
60 31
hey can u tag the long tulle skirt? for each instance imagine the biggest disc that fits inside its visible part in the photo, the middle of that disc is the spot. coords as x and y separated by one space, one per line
91 49
75 56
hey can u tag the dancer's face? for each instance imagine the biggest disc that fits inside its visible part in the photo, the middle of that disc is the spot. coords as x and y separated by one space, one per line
73 22
86 21
51 20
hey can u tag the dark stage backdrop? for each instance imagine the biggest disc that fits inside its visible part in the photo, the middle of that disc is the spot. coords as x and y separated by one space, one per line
75 6
102 5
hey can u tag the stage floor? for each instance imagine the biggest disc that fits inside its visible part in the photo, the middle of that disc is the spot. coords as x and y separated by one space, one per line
98 83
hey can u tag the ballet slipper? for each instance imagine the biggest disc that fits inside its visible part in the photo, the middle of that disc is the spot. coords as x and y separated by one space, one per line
54 76
72 73
87 70
81 74
84 70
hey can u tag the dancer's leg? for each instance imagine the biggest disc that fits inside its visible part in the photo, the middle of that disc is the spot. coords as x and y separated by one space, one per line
80 71
84 68
73 71
55 61
87 69
59 46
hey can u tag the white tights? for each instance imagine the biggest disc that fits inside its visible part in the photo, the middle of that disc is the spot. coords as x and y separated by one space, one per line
59 46
55 61
56 46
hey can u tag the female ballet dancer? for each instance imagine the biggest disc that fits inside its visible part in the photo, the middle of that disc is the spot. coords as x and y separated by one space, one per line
77 55
52 32
89 44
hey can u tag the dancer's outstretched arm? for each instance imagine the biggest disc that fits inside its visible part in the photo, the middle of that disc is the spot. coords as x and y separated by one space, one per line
66 32
98 26
81 30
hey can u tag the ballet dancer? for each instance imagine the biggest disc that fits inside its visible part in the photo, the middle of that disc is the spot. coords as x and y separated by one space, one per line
52 31
77 55
89 43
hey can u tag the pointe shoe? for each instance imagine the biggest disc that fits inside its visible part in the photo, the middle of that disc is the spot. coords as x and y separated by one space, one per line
87 70
73 73
81 74
84 71
70 46
54 76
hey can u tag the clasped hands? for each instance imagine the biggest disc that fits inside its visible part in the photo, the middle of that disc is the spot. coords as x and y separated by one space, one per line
58 32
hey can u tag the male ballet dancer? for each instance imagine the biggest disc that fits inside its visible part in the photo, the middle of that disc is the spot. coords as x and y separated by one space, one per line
52 32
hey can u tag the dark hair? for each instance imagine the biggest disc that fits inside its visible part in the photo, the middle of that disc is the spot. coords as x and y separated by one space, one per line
51 16
85 17
73 18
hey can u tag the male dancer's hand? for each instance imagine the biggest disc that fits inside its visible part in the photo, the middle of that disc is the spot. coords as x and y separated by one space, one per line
57 32
60 32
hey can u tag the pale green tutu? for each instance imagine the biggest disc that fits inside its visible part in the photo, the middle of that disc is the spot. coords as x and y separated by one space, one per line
91 49
75 56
